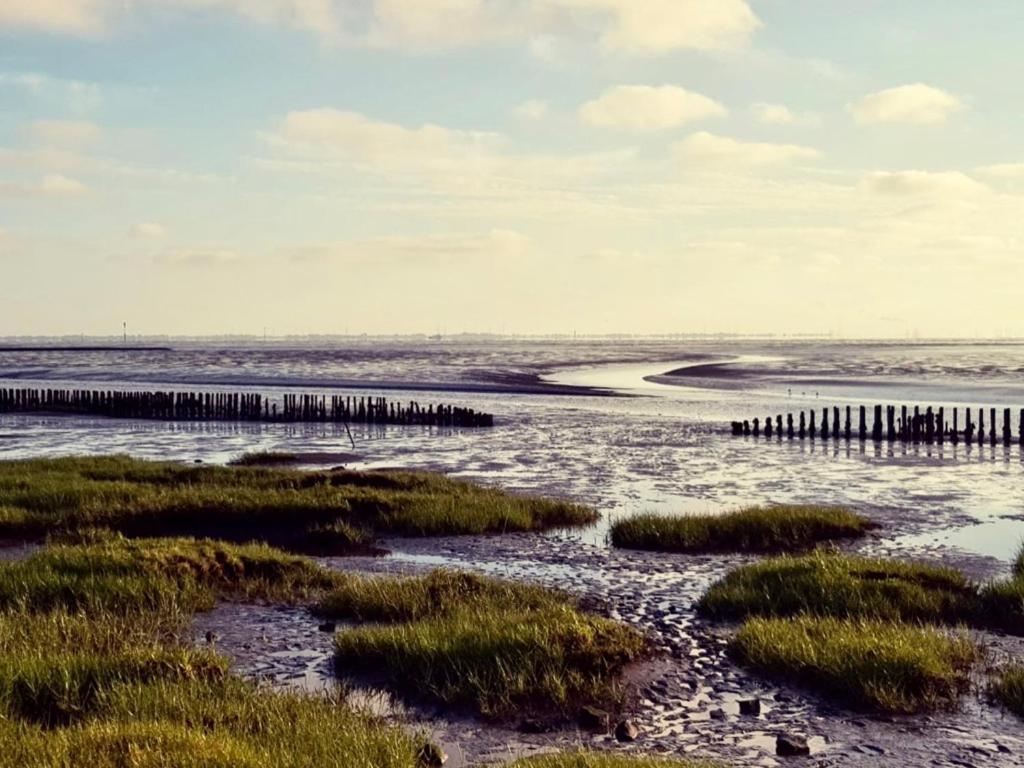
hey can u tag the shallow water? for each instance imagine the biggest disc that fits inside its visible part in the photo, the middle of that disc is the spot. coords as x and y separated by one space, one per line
661 448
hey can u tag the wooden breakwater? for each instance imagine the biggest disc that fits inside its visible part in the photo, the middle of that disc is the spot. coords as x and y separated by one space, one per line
892 424
237 406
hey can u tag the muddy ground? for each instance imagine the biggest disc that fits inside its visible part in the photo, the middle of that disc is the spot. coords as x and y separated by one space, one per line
686 700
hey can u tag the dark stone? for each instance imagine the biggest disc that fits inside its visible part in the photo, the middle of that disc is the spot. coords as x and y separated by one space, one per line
717 714
626 731
211 637
431 756
750 707
594 719
789 745
327 626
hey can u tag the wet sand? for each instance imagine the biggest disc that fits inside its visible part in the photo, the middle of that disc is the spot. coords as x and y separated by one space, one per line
686 700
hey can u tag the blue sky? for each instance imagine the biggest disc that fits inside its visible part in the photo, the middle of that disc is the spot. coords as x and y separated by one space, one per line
519 166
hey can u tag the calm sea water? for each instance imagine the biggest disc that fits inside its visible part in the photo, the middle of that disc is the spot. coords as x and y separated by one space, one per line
663 447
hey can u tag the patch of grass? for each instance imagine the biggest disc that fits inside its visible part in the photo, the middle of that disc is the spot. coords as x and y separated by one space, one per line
606 760
440 593
156 575
1007 688
759 529
263 459
301 511
886 666
211 724
494 647
843 586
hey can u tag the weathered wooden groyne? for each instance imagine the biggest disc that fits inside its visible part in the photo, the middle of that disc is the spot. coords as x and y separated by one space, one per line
237 406
892 424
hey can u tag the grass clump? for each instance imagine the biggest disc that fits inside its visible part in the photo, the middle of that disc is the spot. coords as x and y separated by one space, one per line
211 724
301 511
1007 688
888 666
263 459
843 586
156 575
758 529
606 760
484 644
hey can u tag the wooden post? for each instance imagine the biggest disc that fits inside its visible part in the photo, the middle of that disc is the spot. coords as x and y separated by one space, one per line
803 425
863 422
812 429
767 426
941 434
876 431
1007 438
789 425
824 423
981 426
848 425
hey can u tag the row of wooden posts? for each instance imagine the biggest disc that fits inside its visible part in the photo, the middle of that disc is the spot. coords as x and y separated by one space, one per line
237 406
917 426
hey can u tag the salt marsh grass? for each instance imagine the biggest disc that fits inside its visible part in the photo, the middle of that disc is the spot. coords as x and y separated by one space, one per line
758 529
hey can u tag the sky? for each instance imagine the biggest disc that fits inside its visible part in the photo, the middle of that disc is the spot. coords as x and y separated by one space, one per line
512 166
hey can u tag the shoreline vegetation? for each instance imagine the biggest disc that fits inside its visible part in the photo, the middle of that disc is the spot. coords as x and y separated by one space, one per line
494 647
871 633
328 512
96 667
755 529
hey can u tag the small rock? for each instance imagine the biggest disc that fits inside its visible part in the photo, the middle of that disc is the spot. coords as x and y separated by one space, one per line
327 626
594 719
717 714
626 731
751 707
211 636
431 756
789 745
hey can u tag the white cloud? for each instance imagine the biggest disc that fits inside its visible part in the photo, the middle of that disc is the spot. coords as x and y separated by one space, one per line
622 26
430 249
952 184
773 114
915 103
657 26
50 185
148 230
366 143
64 133
59 184
1003 171
76 17
648 108
197 257
707 149
534 109
780 114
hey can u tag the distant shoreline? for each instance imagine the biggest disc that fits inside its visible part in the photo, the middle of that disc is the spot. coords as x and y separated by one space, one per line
84 349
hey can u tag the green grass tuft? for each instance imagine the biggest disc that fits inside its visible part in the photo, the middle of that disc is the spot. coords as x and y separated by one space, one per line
301 511
759 529
263 459
1007 688
157 575
440 593
488 645
886 666
843 586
